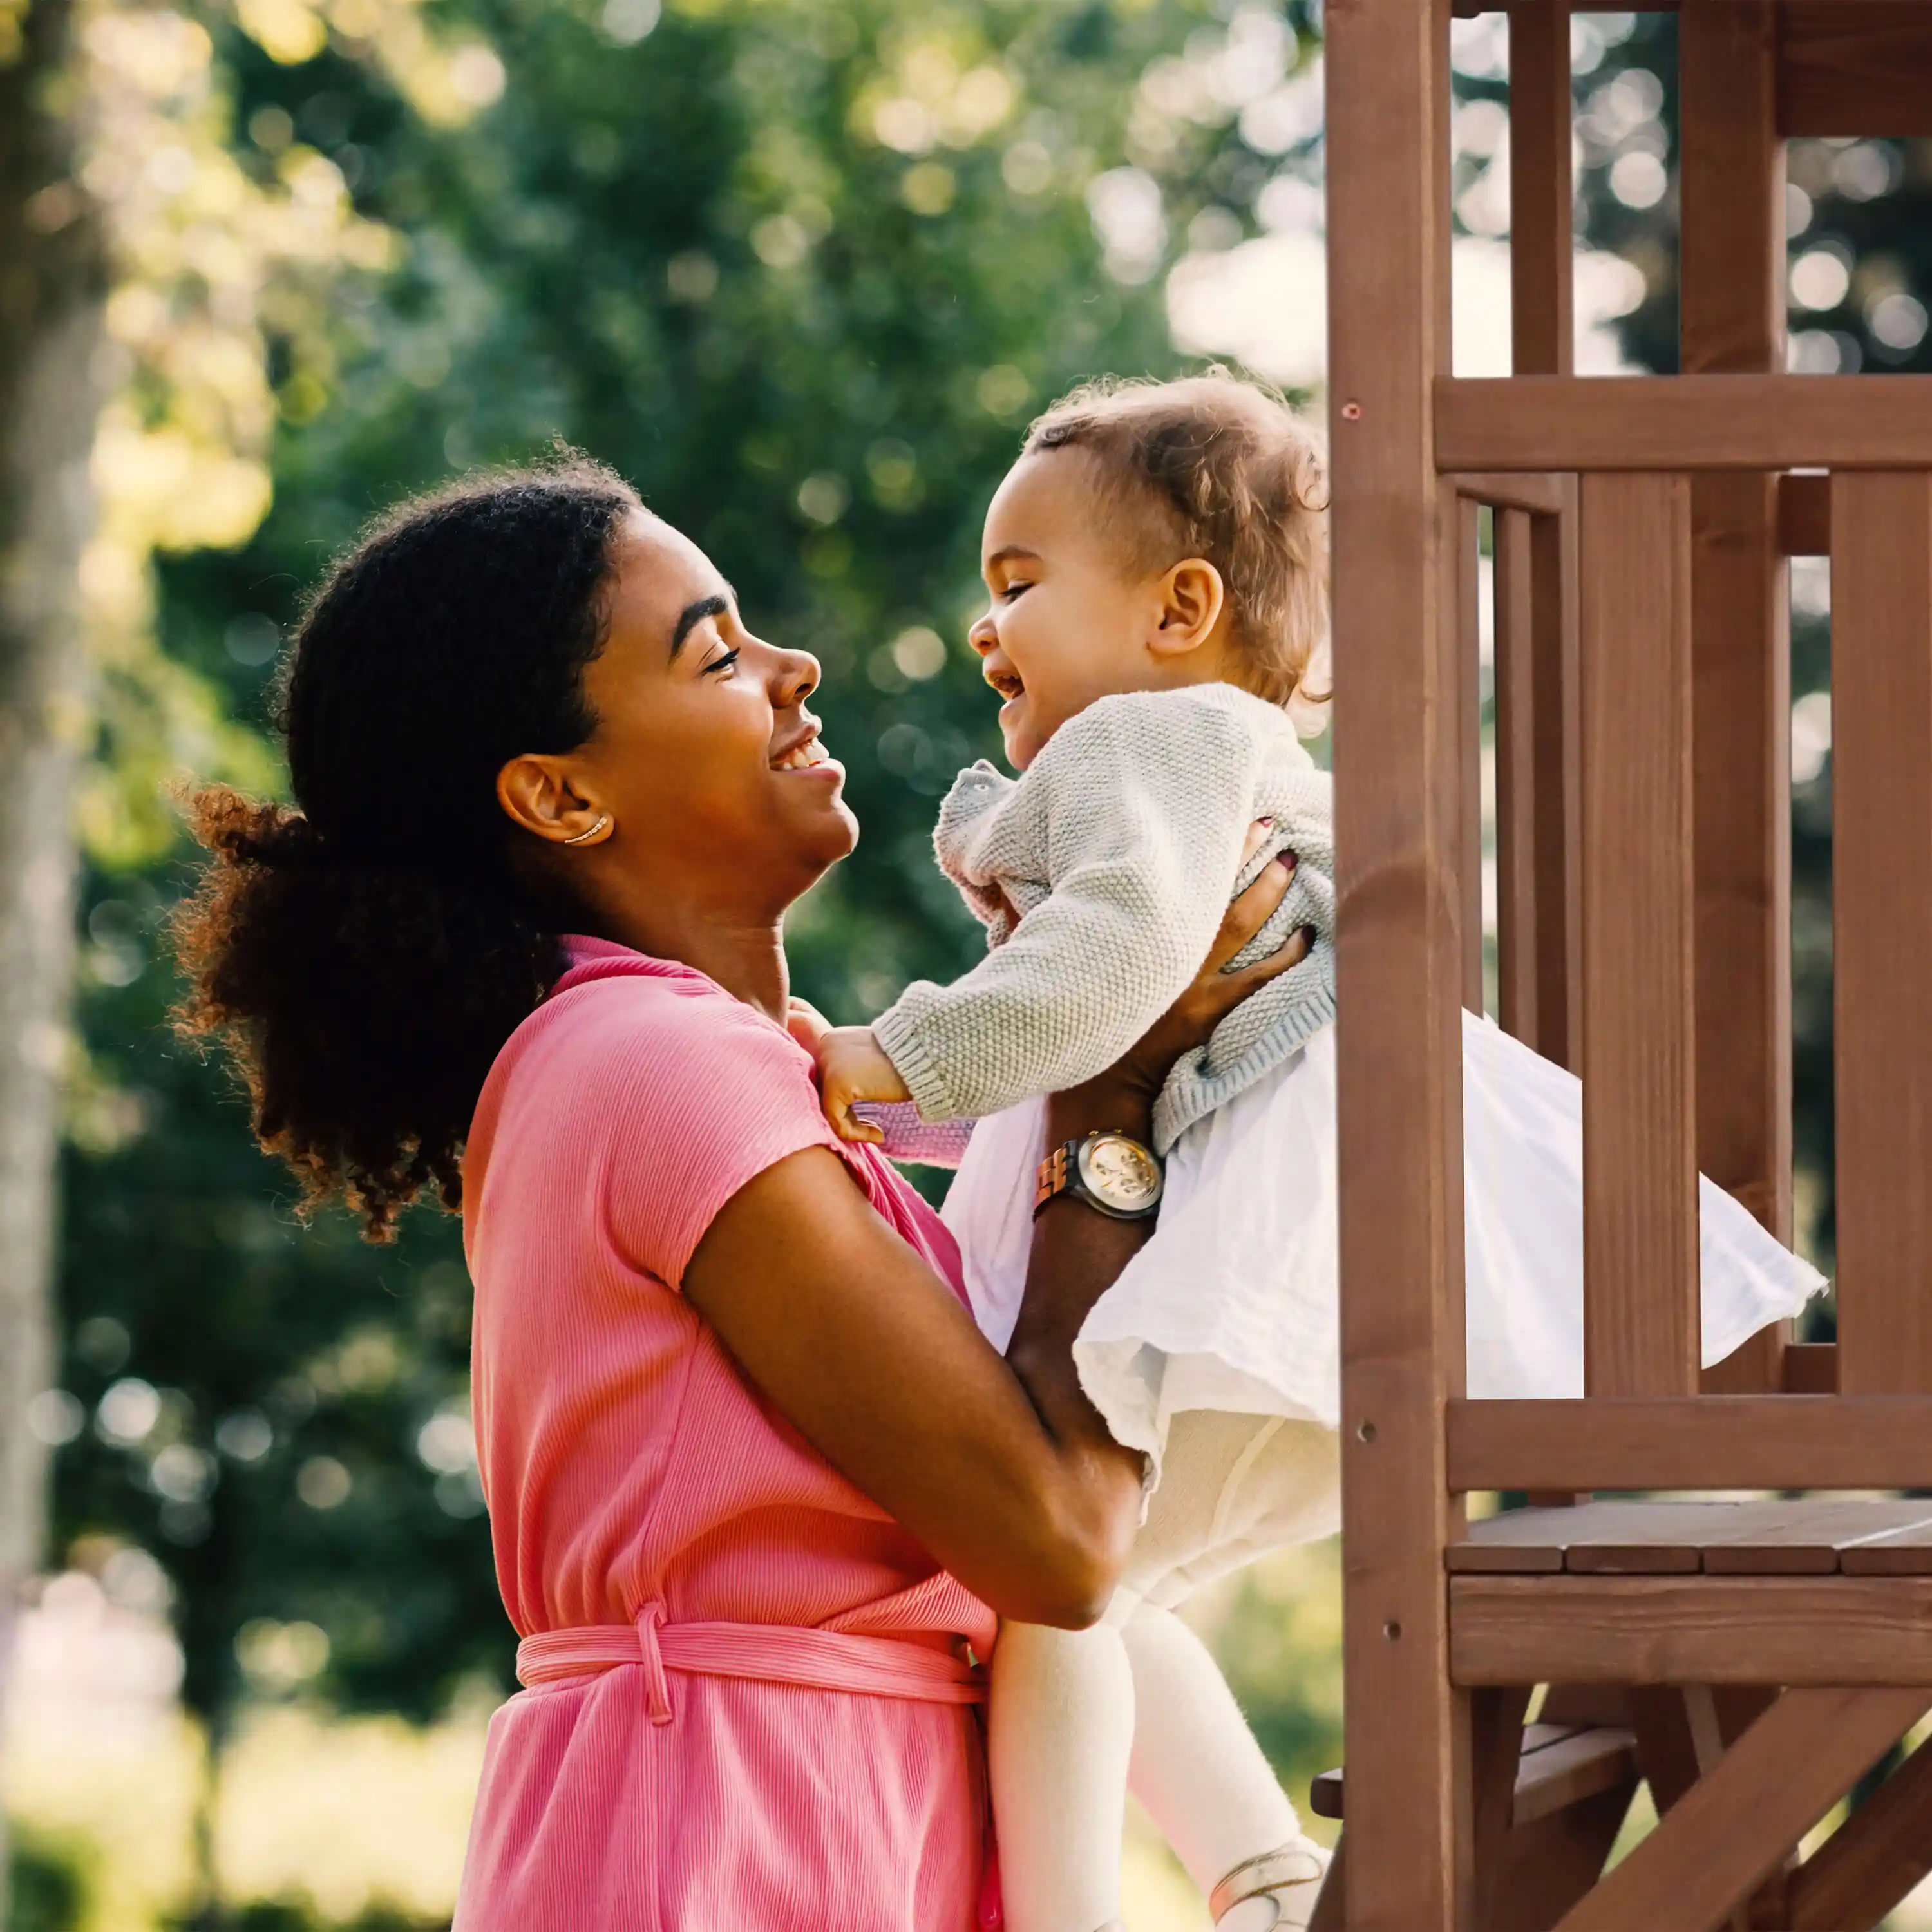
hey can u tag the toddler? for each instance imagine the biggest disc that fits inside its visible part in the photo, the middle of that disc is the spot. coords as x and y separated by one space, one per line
1157 565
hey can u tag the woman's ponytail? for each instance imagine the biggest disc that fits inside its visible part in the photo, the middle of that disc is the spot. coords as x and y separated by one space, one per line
363 955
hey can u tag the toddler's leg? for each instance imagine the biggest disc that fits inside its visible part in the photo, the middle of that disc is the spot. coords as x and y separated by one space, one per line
1059 1728
1196 1766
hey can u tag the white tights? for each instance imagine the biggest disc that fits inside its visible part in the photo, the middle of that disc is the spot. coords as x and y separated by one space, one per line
1074 1715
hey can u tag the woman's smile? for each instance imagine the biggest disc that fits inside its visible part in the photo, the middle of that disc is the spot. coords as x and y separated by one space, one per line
804 751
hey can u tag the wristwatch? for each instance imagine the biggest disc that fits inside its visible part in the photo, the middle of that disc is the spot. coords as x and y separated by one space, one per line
1113 1173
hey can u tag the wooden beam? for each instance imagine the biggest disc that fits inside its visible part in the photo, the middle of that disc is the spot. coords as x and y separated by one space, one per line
1860 68
1804 513
1462 538
1641 1316
1882 925
1869 1864
1518 825
1734 1826
1682 422
1540 495
1866 1630
1732 299
1542 328
1717 1441
1399 1123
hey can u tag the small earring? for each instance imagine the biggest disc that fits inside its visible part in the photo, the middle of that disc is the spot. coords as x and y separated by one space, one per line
585 838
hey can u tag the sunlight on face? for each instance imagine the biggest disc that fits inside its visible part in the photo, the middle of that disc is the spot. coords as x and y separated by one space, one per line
1069 619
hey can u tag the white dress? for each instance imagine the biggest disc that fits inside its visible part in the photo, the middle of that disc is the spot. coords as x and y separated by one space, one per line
1232 1305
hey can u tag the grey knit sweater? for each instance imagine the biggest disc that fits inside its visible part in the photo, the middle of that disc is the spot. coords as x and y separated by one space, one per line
1118 848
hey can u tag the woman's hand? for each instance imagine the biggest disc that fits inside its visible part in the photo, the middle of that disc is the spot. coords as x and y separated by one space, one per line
1215 994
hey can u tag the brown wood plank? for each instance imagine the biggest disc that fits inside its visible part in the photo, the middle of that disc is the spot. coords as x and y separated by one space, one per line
1804 513
1462 533
1555 1861
1810 1536
1867 1866
1905 1551
1640 1294
1732 1829
1854 67
1517 928
1560 1764
1555 577
1399 1129
1726 1442
1811 1368
1653 423
1732 303
1543 329
1540 495
1691 1630
1603 1537
1881 925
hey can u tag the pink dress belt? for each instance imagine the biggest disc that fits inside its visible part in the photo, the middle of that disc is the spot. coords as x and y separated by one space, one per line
877 1667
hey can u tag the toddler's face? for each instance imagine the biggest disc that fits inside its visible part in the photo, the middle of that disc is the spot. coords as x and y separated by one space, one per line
1067 623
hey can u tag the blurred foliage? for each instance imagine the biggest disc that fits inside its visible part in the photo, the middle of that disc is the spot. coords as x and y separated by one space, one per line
801 269
47 1882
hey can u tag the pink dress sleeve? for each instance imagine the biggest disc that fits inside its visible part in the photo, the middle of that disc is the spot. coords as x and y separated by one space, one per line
702 1097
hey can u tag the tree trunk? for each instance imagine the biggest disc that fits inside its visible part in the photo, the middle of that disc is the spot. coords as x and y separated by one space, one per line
51 287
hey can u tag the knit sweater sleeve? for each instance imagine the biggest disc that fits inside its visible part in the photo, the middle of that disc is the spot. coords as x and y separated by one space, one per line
1136 811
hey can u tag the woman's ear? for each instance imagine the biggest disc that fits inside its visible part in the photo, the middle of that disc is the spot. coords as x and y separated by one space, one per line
1192 599
539 797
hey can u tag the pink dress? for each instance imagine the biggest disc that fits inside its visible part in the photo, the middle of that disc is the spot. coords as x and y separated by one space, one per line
691 1579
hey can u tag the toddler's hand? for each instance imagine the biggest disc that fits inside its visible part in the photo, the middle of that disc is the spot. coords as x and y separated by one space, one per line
852 1066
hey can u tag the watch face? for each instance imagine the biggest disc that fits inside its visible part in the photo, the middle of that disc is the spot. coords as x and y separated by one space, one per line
1120 1172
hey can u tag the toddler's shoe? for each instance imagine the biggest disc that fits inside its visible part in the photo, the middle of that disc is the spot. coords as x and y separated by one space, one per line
1288 1879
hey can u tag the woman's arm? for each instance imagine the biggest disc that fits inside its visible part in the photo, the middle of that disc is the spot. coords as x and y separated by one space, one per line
1003 1469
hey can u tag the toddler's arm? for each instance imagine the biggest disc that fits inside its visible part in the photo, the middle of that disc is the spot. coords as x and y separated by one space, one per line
852 1066
1141 806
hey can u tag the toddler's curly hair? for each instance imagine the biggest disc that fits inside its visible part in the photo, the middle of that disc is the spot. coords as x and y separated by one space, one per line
1214 467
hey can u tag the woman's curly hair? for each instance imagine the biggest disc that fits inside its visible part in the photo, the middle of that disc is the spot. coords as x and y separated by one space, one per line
364 954
1213 466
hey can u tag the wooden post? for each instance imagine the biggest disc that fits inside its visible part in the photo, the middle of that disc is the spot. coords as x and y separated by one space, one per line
1542 342
1882 921
1733 313
1640 1294
1398 1040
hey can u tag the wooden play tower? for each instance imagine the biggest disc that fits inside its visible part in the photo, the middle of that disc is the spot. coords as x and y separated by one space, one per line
1751 1661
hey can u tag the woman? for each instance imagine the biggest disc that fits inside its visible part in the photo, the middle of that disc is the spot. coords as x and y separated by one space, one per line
757 1487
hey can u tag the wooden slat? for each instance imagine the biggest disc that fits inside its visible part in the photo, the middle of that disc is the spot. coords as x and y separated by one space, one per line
1691 1630
1720 1442
1542 328
1811 1368
1399 1127
1867 1865
1462 533
1561 1765
1606 1538
1732 303
1682 422
1804 513
1904 1552
1517 929
1854 67
1785 1536
1640 1294
1540 495
1881 925
1812 1537
1731 1830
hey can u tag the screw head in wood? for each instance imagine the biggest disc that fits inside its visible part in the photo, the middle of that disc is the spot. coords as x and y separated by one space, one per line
1365 1432
1392 1630
1351 412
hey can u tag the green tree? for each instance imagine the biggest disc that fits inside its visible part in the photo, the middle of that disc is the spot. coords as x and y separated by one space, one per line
802 269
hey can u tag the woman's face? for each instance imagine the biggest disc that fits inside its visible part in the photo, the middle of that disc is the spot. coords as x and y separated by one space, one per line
704 755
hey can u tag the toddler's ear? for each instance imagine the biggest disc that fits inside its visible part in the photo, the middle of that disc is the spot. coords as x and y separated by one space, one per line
1192 597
